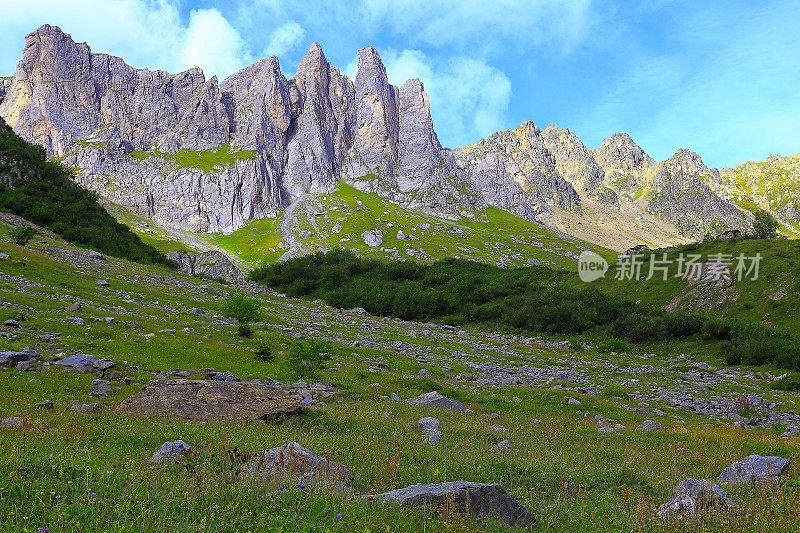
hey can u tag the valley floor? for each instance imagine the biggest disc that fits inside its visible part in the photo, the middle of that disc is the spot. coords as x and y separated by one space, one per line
76 471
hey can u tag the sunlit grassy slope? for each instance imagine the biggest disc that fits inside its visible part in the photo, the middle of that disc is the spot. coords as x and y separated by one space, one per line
70 471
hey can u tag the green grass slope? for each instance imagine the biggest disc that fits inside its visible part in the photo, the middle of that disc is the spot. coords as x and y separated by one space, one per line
70 471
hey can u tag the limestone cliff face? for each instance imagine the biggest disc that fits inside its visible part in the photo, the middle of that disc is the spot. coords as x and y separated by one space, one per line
195 154
679 192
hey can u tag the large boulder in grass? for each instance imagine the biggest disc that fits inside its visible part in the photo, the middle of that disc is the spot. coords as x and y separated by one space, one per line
693 495
482 500
12 358
170 452
212 264
755 469
212 400
435 399
82 362
292 461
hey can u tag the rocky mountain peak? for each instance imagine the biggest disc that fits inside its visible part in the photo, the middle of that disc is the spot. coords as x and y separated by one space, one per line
620 152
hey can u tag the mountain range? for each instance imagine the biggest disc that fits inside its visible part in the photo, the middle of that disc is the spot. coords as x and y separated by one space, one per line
200 155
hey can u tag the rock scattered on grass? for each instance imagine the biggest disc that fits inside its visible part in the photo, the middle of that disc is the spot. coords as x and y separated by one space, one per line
212 400
435 399
293 461
100 388
753 469
482 500
430 429
650 425
80 407
693 495
85 363
572 401
12 422
170 451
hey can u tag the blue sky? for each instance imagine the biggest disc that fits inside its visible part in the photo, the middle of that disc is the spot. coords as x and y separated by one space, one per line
719 77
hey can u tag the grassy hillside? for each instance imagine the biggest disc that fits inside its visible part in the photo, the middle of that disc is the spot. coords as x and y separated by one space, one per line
43 192
71 471
338 220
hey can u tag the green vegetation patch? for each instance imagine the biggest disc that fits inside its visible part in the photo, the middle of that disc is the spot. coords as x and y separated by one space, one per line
47 196
205 160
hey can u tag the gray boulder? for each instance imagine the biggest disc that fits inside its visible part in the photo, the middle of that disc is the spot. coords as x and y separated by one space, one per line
693 495
12 422
650 425
572 401
760 469
299 464
430 429
100 388
213 264
13 358
81 407
435 399
85 363
372 238
171 451
482 500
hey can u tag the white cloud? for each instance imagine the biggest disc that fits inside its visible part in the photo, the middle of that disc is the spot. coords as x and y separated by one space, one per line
469 98
284 39
212 42
146 33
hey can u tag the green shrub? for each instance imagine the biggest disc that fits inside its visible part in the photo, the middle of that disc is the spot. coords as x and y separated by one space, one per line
307 358
245 331
47 196
534 300
22 234
244 310
264 353
764 225
615 391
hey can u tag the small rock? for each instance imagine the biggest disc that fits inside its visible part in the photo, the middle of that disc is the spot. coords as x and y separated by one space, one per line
503 445
372 238
394 397
79 407
47 405
572 401
497 428
430 429
110 320
11 323
14 358
24 366
435 399
759 469
85 363
100 388
12 422
102 283
424 373
76 320
3 256
96 255
197 312
171 451
693 495
74 307
650 425
293 461
223 376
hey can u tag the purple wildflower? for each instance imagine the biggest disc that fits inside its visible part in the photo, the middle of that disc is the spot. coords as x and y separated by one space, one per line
338 516
213 508
43 530
281 489
301 486
94 494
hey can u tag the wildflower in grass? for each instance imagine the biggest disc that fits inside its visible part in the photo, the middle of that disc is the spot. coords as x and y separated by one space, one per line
301 486
281 489
338 516
43 530
94 494
213 508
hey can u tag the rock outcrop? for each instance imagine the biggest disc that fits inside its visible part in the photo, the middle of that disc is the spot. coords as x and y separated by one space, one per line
213 264
212 400
482 500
